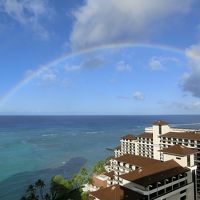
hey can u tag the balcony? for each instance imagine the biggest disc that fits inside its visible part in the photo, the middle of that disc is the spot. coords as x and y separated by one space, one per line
160 188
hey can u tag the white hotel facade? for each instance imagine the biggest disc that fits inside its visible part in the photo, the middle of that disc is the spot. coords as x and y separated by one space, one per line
161 163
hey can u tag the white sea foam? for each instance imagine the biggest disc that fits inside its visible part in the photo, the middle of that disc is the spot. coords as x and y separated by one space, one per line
49 135
92 132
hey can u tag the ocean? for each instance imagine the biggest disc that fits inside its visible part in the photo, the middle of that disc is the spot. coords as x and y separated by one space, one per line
34 147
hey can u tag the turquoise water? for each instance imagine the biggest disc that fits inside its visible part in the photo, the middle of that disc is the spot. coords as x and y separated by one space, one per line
40 146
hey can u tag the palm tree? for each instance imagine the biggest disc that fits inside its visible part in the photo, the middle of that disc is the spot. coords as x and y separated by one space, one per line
40 184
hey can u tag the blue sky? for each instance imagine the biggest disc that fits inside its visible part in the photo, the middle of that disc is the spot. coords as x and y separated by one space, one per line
99 57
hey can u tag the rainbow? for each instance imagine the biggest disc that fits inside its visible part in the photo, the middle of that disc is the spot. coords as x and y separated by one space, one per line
55 62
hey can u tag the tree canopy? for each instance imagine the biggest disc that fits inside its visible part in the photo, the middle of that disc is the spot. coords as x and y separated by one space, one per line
60 188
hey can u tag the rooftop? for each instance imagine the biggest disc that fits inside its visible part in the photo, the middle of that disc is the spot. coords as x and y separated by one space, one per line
179 150
146 135
129 137
136 160
160 122
154 173
110 174
183 135
117 192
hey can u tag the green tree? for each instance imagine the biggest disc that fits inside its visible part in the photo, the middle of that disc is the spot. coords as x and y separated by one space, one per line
39 192
39 184
84 195
61 188
99 167
81 178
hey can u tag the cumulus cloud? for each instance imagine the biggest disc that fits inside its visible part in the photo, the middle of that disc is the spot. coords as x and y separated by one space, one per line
28 13
123 66
100 22
160 62
87 63
138 96
93 62
155 64
191 80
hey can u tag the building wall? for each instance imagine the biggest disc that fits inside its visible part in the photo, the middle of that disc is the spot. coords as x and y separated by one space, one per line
191 143
145 147
150 148
181 160
128 146
174 197
186 190
98 182
157 131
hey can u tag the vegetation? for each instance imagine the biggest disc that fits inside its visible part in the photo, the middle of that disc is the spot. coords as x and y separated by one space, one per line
60 188
99 167
63 189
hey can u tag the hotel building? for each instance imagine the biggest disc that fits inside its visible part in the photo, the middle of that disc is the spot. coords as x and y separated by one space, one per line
161 163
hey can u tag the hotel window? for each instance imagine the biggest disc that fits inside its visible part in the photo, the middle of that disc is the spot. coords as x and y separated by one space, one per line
183 191
160 130
183 198
188 160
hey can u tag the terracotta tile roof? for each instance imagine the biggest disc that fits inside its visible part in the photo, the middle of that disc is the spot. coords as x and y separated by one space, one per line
129 137
139 161
110 174
117 192
146 135
179 150
183 135
160 122
154 173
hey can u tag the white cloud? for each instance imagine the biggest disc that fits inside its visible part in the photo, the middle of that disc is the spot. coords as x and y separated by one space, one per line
123 66
100 22
28 13
138 95
123 97
93 62
72 68
49 77
155 64
190 106
160 62
87 63
191 80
